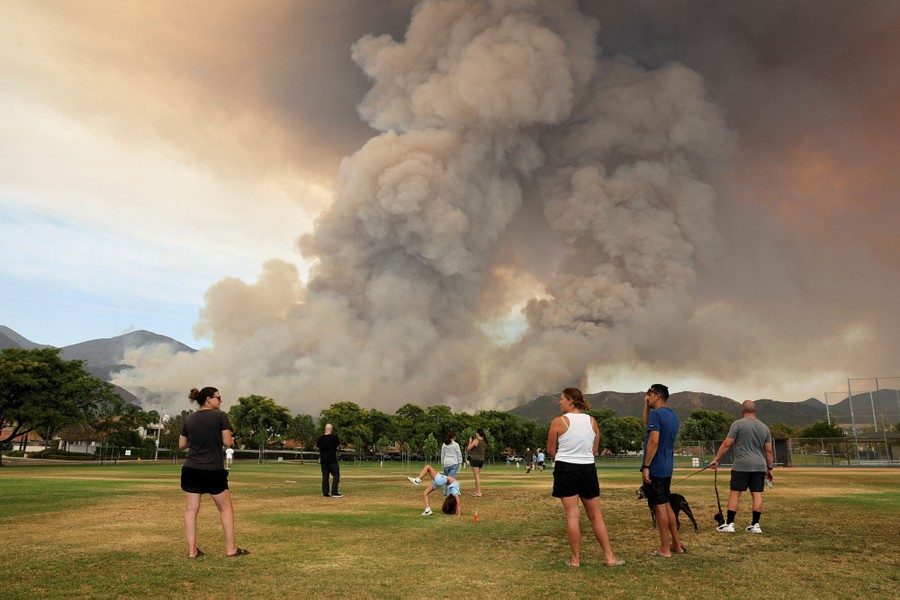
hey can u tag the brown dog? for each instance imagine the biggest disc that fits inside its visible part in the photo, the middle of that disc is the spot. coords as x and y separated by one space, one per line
678 503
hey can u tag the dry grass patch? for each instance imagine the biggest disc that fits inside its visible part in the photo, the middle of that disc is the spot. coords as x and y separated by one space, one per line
116 531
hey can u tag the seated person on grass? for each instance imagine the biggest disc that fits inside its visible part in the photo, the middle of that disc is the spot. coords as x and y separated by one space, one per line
452 502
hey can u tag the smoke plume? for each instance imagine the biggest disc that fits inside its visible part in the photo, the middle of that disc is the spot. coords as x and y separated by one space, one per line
523 181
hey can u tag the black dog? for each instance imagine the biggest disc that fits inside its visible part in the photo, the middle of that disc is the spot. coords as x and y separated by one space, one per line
678 503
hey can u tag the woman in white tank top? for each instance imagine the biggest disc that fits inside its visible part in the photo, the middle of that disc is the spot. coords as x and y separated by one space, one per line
573 442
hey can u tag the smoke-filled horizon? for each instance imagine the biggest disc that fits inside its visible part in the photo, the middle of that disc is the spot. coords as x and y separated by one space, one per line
542 195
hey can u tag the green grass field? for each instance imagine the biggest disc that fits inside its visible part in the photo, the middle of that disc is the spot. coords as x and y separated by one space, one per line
116 531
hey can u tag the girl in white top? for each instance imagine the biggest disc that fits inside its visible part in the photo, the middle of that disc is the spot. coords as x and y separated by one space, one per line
573 442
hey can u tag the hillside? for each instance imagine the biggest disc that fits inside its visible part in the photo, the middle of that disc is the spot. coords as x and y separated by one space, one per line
796 414
105 357
543 408
11 339
884 404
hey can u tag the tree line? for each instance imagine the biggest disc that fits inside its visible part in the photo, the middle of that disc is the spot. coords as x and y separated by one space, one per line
39 391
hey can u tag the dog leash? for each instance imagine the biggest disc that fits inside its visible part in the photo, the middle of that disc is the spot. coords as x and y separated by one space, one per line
716 487
692 474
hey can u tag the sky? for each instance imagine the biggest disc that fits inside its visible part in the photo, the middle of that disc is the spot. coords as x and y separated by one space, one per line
459 202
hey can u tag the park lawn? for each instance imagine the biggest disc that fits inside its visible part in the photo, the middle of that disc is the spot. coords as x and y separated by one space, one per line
116 531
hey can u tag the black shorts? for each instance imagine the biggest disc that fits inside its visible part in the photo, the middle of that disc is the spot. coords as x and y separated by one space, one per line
658 490
200 481
575 480
755 481
476 463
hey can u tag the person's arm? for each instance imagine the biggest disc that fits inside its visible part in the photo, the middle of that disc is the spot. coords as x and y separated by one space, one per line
646 412
183 443
770 460
552 438
728 443
227 438
458 504
473 441
652 447
443 453
596 429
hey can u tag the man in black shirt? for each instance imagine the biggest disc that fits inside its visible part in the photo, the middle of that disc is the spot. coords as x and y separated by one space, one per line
328 445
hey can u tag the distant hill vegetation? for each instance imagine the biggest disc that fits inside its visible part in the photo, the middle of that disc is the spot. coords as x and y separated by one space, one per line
795 414
103 358
106 357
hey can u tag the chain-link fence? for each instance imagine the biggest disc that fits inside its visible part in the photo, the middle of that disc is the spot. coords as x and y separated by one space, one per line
868 449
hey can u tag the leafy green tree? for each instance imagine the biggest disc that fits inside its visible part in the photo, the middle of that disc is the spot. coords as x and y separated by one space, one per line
431 447
464 436
492 444
439 418
257 419
382 444
381 425
611 437
781 431
40 390
405 420
351 424
117 422
528 434
633 432
822 429
505 428
168 437
706 425
302 430
359 446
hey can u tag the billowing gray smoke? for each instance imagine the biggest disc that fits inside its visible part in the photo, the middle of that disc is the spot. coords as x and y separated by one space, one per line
518 168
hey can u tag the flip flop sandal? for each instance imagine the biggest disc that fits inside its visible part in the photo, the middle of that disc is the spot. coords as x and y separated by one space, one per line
619 562
238 552
198 555
656 554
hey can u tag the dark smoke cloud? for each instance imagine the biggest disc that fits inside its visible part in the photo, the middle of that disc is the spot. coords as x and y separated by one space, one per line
685 188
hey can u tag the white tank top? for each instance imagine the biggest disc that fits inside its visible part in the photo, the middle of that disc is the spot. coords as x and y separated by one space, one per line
576 445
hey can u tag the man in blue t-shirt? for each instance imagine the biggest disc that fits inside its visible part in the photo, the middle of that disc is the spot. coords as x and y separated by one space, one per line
656 469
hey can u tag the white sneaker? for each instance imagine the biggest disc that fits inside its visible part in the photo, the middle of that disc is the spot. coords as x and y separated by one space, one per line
726 528
415 481
753 528
427 512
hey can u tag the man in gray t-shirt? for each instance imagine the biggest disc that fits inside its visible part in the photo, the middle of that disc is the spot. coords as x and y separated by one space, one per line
753 463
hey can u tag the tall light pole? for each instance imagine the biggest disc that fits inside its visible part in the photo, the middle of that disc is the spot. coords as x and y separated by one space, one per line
158 427
852 418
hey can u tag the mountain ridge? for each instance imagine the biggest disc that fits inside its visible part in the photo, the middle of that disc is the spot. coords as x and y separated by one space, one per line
104 358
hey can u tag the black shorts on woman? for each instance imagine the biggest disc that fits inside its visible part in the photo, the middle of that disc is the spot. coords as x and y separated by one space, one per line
204 481
570 479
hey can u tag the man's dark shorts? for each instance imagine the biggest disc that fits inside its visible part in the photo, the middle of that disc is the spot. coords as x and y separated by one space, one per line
575 480
657 491
741 481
